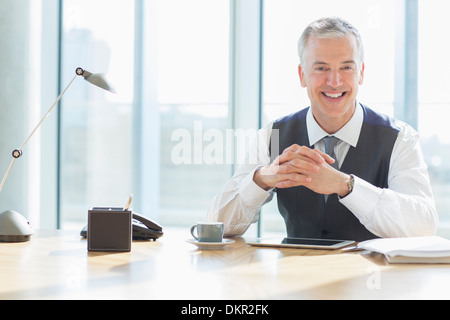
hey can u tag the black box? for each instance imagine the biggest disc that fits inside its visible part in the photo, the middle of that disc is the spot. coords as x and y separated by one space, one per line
109 229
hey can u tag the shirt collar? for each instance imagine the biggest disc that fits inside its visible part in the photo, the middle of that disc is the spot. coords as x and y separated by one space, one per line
349 133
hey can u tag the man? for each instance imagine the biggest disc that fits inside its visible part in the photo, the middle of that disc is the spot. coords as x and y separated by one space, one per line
345 171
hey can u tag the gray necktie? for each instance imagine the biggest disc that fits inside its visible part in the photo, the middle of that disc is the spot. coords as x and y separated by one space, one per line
330 143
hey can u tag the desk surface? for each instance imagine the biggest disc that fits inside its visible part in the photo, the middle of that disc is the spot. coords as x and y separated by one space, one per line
57 265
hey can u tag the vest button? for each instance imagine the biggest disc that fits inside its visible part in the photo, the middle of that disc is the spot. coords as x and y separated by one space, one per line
324 232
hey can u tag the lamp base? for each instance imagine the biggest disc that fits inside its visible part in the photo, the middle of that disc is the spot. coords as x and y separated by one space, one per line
25 238
14 227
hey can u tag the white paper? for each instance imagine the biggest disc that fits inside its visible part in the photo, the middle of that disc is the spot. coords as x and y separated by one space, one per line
432 246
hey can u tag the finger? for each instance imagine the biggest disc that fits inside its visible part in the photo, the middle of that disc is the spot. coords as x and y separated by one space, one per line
286 157
270 170
307 152
293 148
293 181
299 165
325 156
304 153
276 162
311 154
285 180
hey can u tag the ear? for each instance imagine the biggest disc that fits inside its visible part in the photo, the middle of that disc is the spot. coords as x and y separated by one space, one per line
302 76
361 76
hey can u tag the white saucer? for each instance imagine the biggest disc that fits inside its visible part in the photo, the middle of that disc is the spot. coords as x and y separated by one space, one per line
211 245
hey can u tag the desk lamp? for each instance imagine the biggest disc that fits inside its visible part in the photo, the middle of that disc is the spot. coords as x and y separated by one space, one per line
13 226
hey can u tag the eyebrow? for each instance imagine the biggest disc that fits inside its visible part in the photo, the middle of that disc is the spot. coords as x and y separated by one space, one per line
344 62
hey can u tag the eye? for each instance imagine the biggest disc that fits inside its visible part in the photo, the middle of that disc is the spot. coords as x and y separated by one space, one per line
320 68
348 68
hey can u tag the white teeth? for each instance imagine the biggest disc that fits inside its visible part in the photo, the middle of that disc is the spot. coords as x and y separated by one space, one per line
333 95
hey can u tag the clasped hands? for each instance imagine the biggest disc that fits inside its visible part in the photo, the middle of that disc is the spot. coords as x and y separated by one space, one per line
302 166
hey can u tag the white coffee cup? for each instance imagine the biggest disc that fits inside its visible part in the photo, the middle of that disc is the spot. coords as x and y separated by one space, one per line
208 231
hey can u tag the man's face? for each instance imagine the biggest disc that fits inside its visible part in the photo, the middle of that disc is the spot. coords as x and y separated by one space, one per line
332 73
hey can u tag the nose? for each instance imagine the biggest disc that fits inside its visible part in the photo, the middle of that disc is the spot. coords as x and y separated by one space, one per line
334 78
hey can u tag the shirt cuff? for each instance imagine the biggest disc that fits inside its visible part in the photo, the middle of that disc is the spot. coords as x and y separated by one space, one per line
363 199
251 194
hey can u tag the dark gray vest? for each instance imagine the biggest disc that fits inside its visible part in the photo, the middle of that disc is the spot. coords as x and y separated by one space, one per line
305 212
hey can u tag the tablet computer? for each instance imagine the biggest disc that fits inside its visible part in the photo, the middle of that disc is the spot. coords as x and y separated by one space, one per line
303 243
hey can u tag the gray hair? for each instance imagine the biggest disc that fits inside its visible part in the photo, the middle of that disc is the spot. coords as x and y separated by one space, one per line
330 28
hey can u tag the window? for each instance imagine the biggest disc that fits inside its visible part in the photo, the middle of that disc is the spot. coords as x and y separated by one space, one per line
284 21
192 62
114 145
434 103
172 63
96 137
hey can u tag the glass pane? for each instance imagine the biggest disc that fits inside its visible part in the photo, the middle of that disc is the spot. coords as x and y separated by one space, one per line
284 21
189 74
95 124
193 66
434 103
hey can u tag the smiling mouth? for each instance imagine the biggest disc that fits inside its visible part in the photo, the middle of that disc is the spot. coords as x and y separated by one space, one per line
334 95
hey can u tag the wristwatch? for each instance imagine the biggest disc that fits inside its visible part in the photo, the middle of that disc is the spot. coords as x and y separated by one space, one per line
351 183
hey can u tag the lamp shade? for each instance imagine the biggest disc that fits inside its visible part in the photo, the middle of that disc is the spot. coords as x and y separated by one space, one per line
96 79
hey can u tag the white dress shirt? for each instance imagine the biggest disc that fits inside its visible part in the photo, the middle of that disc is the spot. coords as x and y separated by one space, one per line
405 209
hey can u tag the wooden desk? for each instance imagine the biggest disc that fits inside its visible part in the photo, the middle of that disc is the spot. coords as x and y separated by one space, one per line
57 265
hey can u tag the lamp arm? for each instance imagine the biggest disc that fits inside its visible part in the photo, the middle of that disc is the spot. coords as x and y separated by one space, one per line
18 152
48 112
7 173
